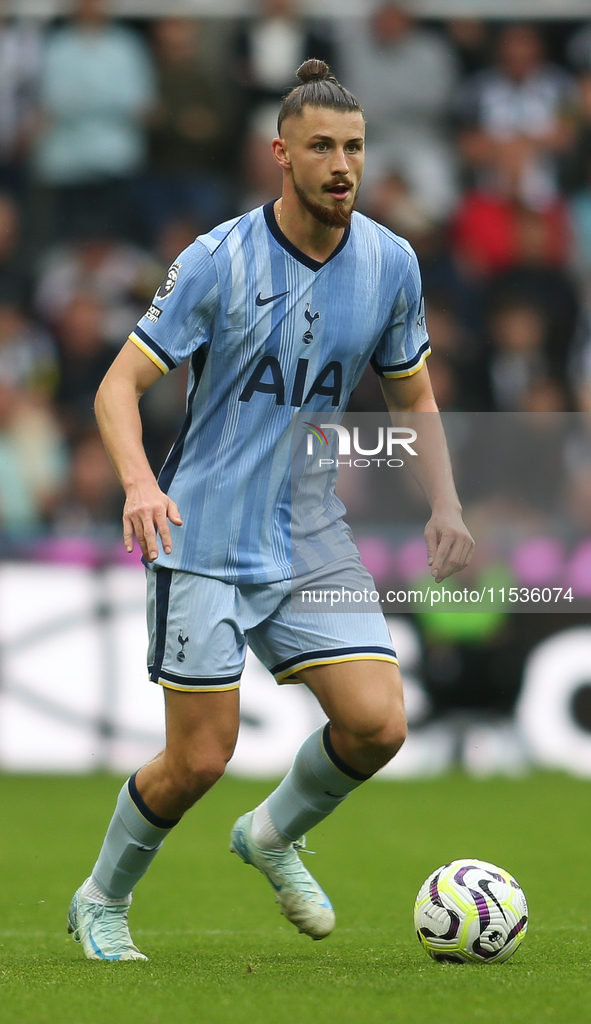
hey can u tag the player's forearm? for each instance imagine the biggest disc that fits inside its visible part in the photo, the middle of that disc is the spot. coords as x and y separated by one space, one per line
415 408
411 403
118 417
432 466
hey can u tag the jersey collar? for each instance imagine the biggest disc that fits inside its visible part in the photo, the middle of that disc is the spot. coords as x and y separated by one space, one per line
293 250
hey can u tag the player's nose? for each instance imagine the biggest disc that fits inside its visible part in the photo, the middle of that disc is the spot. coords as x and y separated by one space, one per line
340 163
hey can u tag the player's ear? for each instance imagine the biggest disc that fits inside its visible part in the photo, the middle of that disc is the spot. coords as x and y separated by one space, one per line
281 153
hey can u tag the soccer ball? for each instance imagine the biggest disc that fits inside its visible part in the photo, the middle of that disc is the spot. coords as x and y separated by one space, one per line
470 911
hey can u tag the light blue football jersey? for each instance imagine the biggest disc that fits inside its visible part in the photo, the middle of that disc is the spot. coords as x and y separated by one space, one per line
274 339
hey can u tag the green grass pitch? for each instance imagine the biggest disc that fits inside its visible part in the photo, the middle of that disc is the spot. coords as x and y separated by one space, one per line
221 954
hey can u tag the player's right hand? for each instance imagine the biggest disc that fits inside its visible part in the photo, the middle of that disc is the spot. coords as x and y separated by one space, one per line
146 514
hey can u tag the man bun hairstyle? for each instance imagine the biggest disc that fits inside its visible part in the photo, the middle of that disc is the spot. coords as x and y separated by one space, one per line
318 88
312 70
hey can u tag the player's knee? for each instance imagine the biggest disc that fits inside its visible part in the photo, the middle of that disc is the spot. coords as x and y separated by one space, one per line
195 775
379 741
388 738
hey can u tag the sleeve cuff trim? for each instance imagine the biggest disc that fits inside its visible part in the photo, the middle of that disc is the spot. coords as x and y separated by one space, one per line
153 351
404 369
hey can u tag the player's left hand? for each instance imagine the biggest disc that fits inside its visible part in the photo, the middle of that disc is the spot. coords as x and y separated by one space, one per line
449 544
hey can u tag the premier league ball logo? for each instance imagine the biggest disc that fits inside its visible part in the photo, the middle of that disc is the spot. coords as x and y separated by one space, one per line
167 286
470 911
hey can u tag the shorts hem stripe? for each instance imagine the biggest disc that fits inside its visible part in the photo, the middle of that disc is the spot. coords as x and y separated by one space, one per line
331 658
171 677
333 652
191 687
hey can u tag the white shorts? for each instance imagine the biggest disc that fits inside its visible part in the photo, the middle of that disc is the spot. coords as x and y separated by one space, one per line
200 627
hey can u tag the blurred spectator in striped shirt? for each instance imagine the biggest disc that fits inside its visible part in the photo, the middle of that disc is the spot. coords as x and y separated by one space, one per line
406 76
516 119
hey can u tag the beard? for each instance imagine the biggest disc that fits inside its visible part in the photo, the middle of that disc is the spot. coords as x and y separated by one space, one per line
337 217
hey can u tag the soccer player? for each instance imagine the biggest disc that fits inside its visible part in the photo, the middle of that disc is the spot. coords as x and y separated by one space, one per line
278 311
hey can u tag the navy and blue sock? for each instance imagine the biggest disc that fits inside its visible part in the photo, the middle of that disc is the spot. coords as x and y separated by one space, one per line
316 784
134 836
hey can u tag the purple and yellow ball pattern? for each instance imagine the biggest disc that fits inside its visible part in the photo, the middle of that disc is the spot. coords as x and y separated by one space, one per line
470 911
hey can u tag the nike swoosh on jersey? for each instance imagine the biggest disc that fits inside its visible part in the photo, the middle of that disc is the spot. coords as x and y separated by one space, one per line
263 302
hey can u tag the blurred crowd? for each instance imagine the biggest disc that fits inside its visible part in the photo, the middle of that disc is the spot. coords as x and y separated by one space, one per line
121 141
